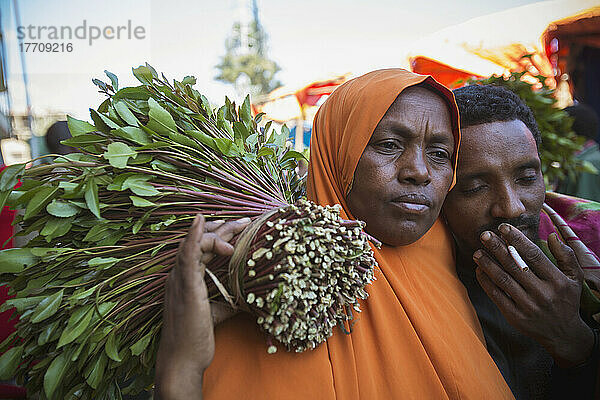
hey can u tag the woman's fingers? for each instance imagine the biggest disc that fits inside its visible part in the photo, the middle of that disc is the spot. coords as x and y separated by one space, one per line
217 241
229 229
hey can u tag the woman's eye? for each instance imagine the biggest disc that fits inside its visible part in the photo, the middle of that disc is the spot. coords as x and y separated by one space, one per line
388 145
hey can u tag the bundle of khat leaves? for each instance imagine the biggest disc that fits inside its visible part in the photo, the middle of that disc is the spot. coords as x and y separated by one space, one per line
89 287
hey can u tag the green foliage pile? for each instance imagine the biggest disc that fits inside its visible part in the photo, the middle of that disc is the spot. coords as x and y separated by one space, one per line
89 287
559 141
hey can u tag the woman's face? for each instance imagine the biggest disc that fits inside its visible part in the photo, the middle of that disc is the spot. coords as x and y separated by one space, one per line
406 169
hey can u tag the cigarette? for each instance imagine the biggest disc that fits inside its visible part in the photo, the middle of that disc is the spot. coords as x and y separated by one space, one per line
517 258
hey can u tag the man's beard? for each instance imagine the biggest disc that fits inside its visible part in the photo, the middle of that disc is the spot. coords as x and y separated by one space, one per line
529 225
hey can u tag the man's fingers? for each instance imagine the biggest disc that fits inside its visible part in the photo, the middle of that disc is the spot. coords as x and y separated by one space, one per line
498 249
565 230
587 259
533 256
565 258
505 304
501 279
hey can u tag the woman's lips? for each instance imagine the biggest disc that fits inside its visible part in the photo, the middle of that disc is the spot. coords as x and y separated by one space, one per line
412 203
411 207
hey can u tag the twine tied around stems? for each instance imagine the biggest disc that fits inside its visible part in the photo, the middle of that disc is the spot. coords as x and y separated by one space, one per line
237 264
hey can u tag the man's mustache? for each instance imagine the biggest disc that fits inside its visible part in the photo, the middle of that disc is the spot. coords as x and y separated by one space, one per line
529 223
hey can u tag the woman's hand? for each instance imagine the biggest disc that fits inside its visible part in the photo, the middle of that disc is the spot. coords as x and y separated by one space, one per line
187 343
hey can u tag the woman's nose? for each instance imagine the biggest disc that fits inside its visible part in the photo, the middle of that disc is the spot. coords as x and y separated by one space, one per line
412 168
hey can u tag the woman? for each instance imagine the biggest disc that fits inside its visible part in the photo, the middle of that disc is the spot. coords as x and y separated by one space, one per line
384 146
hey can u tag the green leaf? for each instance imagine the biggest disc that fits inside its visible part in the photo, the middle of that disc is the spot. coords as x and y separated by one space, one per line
94 377
266 152
80 294
113 79
291 154
105 308
155 145
91 198
83 140
102 119
78 127
78 322
139 185
47 333
56 227
133 133
132 93
103 262
143 74
240 131
118 153
125 113
62 209
163 166
40 200
139 223
117 183
246 110
188 80
138 347
160 120
10 176
184 140
9 362
140 202
22 304
202 138
3 198
97 232
47 307
227 147
252 140
112 347
55 373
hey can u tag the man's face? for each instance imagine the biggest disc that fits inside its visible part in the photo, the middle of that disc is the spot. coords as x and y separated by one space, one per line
499 179
406 169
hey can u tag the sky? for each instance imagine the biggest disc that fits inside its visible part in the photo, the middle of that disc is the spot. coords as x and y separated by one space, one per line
309 39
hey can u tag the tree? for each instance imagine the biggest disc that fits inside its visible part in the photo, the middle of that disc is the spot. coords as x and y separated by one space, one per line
245 63
559 141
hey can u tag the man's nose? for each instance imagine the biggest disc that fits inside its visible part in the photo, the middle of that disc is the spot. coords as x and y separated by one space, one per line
413 168
507 204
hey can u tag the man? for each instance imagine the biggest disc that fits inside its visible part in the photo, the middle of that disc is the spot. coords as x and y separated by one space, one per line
529 314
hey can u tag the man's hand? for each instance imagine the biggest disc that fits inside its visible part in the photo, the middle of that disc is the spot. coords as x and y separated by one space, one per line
541 301
588 261
187 340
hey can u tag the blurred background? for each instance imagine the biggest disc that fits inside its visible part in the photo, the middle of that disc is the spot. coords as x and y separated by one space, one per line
288 55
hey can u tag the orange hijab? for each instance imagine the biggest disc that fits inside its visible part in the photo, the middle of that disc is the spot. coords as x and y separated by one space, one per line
417 337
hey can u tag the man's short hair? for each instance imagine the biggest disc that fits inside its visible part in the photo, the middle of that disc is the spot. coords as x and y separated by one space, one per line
482 104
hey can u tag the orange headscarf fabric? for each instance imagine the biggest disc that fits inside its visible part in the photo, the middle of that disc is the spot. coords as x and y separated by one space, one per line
417 337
